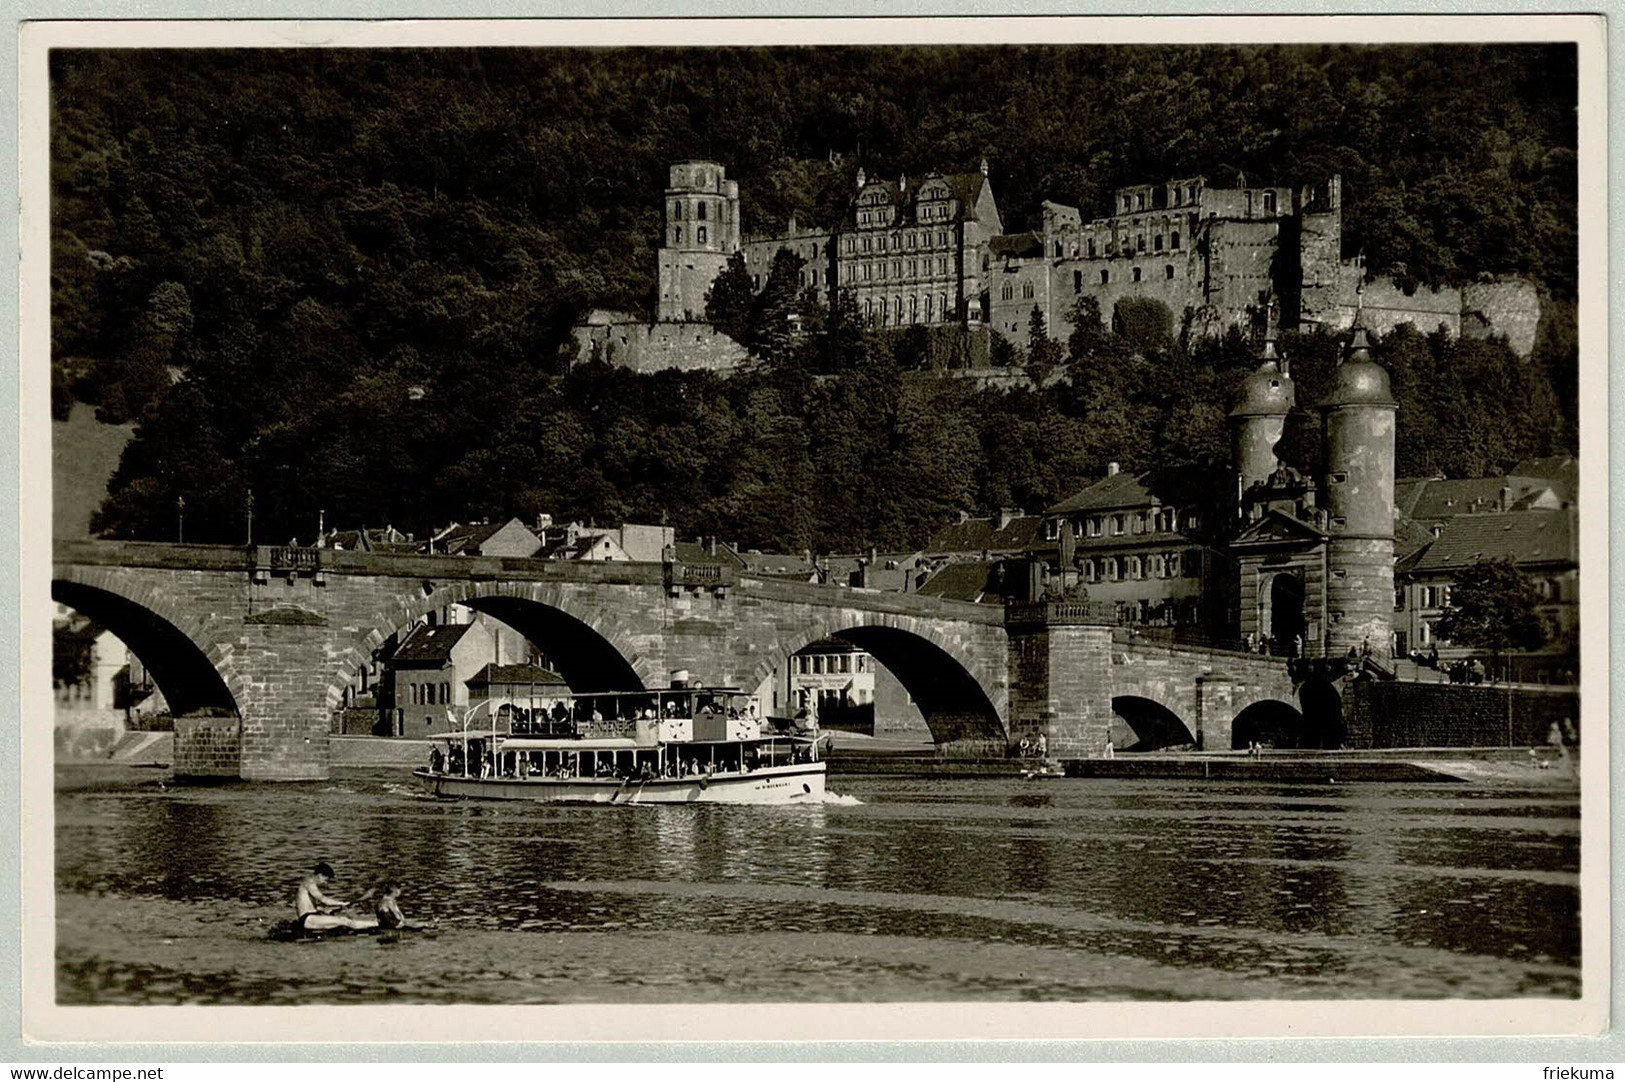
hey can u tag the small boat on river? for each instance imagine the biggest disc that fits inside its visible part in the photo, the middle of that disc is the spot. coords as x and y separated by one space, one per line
679 745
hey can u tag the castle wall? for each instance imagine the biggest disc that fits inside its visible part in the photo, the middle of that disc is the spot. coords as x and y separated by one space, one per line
685 279
1510 308
1386 305
643 347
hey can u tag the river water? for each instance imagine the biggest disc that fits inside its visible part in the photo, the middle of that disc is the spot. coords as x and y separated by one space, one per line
900 889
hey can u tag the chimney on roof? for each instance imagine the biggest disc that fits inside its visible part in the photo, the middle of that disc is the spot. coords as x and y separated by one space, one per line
863 178
1008 515
902 183
1506 497
713 544
1112 469
984 166
964 517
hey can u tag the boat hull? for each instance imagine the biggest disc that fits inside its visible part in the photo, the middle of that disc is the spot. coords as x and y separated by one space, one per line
802 783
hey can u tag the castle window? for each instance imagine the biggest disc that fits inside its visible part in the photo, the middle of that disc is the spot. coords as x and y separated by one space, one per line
1127 206
866 244
985 262
1118 524
702 212
1269 202
1171 564
1077 281
1094 525
897 302
1027 290
1008 292
1168 271
1112 568
1339 477
896 241
868 270
1136 274
1191 519
885 311
1249 200
1057 249
815 276
1173 241
1091 247
942 239
677 212
1156 567
930 308
1179 195
914 309
1105 276
1190 192
815 251
913 268
756 281
943 297
701 230
677 235
869 308
1139 242
1139 201
880 270
1156 243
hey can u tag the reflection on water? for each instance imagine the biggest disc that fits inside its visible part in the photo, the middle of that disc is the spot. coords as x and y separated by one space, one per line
928 890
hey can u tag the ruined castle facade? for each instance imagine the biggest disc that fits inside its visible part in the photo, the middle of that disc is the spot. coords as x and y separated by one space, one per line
934 251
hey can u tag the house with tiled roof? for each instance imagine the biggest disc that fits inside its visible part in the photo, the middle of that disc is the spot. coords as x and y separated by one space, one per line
1543 543
1151 544
429 672
510 538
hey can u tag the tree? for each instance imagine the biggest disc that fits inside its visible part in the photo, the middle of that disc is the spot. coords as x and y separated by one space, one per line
1492 605
728 304
771 334
1044 353
1145 322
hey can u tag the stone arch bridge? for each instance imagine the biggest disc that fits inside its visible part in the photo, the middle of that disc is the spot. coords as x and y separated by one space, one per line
253 647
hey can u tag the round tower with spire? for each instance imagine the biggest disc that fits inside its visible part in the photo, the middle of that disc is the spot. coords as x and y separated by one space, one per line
1357 492
1257 422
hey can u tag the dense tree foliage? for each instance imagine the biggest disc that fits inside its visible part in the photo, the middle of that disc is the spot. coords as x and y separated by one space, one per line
1493 607
345 279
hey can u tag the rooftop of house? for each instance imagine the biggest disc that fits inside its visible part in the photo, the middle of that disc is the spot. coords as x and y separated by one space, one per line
1428 499
1170 486
1006 532
460 537
515 674
967 580
1524 537
430 645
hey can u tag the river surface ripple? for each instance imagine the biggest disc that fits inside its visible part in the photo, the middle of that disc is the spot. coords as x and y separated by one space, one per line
1056 890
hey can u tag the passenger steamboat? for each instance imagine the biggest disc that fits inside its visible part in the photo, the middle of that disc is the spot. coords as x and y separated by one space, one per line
679 745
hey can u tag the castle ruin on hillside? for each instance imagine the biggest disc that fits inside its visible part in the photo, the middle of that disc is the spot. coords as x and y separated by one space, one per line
933 251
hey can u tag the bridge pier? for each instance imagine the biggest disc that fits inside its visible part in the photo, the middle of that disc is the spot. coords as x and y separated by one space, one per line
1061 677
1215 712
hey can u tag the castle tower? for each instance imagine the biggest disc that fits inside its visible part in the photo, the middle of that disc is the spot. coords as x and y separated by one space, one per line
1258 420
1357 492
702 231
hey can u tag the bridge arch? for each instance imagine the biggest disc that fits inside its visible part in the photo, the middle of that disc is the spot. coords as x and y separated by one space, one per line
1153 724
1271 722
191 665
591 652
960 704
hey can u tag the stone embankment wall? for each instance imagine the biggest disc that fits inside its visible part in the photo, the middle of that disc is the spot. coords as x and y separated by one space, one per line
1400 714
